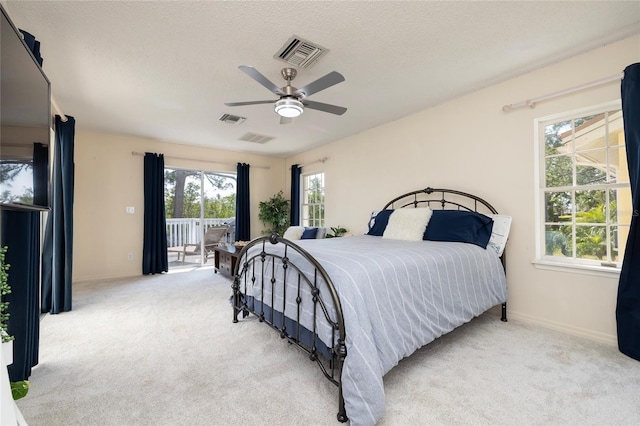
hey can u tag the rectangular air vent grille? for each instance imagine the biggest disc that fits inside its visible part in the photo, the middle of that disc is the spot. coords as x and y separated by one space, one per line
255 138
231 119
300 53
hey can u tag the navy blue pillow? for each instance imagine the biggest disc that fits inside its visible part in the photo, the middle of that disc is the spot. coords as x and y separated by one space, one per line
382 219
309 234
459 226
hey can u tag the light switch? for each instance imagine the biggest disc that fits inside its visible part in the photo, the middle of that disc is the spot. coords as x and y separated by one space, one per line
131 210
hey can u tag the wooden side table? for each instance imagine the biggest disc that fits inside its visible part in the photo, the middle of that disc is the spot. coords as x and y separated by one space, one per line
226 257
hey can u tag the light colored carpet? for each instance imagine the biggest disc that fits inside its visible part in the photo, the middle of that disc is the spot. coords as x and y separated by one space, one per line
162 350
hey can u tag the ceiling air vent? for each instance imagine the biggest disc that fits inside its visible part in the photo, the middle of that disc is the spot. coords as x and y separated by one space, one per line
255 138
300 53
231 119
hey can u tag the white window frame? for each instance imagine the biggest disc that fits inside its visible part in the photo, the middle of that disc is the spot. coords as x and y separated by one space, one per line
554 262
304 206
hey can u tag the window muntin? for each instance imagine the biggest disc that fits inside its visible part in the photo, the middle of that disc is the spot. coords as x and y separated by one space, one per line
584 189
313 200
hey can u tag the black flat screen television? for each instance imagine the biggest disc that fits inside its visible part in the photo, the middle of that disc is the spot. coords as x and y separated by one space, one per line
25 118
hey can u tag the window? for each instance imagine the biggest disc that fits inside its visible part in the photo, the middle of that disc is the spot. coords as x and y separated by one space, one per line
313 200
195 201
584 196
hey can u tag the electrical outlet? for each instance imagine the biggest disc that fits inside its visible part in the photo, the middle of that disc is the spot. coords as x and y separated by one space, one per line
130 210
130 256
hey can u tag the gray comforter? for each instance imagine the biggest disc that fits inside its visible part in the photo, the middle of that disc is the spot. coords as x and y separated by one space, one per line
396 297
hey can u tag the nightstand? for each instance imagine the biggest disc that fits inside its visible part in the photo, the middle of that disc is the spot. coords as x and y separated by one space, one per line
226 257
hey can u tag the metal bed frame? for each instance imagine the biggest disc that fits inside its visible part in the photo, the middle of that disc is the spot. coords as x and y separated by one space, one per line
287 323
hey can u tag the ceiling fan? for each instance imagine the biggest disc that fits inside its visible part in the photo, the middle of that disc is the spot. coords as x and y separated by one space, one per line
293 101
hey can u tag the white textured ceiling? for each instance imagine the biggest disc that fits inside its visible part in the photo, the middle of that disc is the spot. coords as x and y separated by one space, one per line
164 69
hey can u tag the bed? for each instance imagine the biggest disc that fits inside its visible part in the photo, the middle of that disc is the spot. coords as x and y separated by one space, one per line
358 305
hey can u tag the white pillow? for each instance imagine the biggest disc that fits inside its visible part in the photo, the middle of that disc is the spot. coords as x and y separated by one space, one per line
322 232
293 233
500 233
407 224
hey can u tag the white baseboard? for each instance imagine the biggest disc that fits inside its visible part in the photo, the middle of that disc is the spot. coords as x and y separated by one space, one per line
565 328
105 277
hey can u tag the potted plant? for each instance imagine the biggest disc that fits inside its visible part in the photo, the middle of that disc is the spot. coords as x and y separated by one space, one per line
338 231
7 345
274 213
20 388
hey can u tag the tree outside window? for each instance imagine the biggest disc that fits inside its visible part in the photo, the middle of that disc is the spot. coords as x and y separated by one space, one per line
196 200
313 200
584 188
184 192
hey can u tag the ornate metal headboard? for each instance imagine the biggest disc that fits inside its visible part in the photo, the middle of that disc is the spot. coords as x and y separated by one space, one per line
442 198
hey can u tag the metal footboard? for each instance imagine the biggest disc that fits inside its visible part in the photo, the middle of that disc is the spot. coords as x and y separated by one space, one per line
265 265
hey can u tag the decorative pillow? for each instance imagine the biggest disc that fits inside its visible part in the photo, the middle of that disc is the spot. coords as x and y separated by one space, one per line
500 233
380 223
459 226
309 234
407 224
372 220
322 232
293 233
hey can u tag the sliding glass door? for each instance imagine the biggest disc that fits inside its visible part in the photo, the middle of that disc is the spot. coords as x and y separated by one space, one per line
199 204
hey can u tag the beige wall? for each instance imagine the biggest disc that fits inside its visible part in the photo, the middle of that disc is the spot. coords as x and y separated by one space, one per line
109 178
472 145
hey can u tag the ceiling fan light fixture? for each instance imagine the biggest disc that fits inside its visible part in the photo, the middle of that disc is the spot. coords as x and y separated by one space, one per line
289 108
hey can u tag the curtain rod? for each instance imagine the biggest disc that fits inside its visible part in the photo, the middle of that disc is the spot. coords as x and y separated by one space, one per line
531 103
320 160
204 161
55 106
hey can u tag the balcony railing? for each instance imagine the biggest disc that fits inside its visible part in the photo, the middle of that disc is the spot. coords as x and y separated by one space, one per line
183 231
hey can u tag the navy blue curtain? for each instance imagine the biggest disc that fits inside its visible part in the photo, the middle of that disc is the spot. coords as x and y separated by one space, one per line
57 252
628 307
21 236
40 174
295 195
243 212
32 44
154 249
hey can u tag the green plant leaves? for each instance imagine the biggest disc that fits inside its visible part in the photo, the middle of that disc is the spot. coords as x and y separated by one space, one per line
274 213
19 389
4 290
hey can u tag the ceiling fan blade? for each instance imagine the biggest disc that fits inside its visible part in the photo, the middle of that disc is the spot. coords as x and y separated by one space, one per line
286 120
333 109
232 104
322 83
257 76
